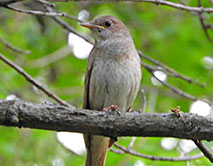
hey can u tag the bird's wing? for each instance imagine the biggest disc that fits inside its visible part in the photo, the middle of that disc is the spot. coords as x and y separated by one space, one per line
87 80
97 146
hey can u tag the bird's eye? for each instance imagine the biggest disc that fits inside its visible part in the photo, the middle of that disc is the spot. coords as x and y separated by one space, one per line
108 23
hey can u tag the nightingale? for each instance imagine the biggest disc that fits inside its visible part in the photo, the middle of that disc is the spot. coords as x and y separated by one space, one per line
112 77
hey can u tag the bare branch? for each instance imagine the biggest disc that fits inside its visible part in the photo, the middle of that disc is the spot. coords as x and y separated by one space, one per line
110 124
116 151
169 70
33 81
128 151
41 13
205 28
131 143
13 48
178 91
174 89
204 149
46 3
66 25
157 2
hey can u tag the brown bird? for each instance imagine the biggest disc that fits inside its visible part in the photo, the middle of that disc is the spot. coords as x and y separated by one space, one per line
113 77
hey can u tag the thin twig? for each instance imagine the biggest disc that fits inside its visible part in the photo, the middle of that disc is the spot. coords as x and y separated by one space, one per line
116 151
128 151
13 48
131 143
169 70
66 25
34 82
204 149
210 26
205 28
46 3
157 2
41 13
174 89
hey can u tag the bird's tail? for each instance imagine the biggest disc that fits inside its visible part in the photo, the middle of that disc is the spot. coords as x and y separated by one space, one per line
97 147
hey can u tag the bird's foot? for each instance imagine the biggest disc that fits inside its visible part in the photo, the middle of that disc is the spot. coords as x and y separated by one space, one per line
112 108
130 110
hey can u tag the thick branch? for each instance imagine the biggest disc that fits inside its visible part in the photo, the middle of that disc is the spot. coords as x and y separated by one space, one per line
112 124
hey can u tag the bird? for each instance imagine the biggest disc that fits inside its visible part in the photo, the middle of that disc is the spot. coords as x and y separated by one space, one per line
112 78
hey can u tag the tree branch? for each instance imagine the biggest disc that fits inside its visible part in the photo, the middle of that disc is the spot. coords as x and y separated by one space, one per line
33 81
204 150
113 124
123 150
174 89
169 70
157 2
65 25
202 22
41 13
13 48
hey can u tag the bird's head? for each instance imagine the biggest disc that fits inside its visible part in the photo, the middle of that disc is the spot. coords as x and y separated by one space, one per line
107 27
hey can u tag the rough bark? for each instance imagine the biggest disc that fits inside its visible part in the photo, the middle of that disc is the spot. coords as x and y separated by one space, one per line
113 124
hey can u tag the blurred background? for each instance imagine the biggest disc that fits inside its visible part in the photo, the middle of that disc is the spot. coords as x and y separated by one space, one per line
58 60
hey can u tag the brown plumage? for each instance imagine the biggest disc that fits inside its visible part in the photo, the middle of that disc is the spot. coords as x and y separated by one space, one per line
112 77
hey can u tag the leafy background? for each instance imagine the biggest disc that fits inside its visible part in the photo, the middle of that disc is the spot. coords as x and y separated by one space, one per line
171 36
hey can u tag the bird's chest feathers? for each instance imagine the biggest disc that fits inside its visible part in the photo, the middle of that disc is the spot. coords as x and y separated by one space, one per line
114 83
114 75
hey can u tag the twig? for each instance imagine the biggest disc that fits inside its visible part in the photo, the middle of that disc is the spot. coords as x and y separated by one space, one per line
174 89
204 149
66 25
13 48
116 151
131 143
34 82
51 58
46 3
205 28
157 2
41 13
210 26
169 70
128 151
144 100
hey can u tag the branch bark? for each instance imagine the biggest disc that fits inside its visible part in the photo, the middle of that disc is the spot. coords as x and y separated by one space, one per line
113 124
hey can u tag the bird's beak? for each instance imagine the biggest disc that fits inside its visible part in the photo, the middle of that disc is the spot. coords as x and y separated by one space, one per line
90 26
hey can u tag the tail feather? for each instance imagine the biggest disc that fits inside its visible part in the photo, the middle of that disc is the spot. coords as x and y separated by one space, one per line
97 147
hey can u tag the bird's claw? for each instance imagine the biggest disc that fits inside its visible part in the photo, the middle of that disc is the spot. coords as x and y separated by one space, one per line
112 108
